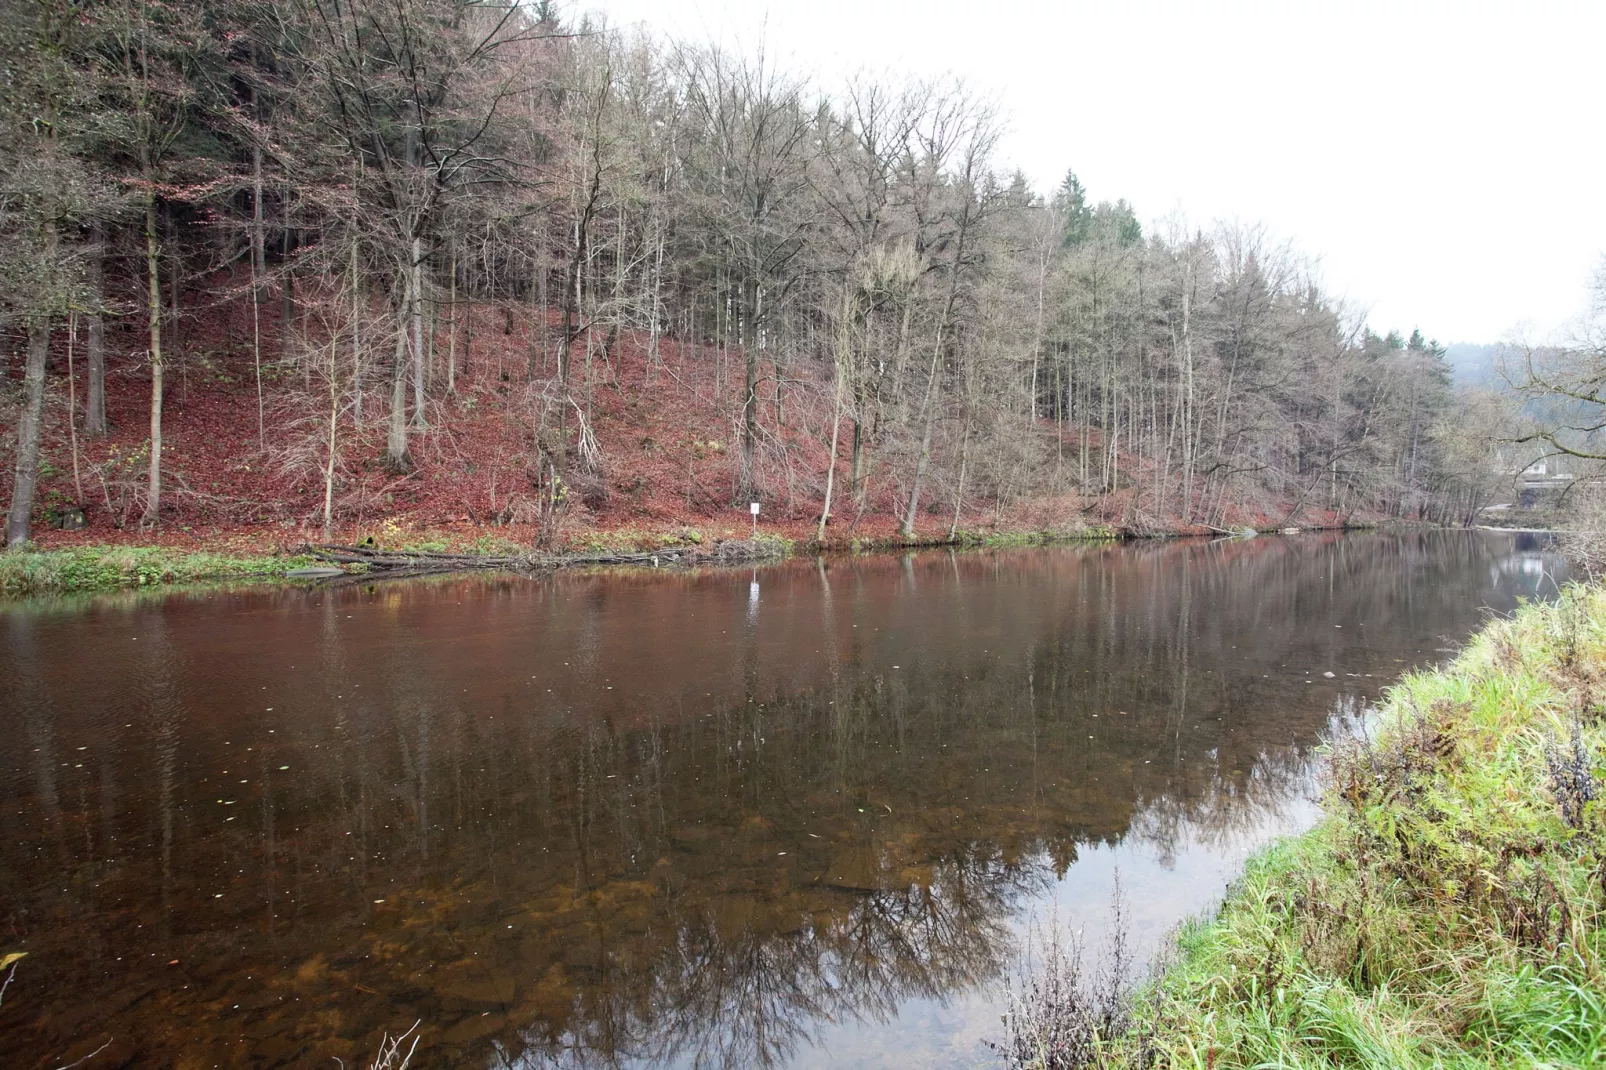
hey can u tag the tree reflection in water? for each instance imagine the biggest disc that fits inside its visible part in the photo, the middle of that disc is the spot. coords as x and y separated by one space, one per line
611 820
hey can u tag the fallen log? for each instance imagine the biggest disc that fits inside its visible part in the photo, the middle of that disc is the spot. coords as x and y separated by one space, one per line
376 558
422 562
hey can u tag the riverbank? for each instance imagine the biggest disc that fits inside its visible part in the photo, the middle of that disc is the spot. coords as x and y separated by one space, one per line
1447 911
63 565
80 569
88 568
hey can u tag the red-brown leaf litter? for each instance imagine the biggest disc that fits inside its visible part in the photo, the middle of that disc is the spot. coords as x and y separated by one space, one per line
666 422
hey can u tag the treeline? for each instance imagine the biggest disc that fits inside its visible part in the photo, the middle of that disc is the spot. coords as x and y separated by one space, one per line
360 174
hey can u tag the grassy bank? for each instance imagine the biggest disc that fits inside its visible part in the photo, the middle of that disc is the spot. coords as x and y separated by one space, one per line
1447 910
108 568
87 568
76 569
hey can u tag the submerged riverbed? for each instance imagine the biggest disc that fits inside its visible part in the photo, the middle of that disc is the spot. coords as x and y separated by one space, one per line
806 815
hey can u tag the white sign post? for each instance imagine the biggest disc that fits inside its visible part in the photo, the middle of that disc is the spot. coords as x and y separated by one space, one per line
752 507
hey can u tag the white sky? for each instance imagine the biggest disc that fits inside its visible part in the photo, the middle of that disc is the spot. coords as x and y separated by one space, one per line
1443 160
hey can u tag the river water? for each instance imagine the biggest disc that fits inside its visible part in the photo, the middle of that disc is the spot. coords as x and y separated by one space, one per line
811 815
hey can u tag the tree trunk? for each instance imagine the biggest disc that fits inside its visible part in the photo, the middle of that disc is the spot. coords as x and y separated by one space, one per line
451 331
95 403
928 416
856 463
750 423
333 445
72 409
259 271
928 409
287 292
415 300
396 442
256 356
356 337
1189 442
259 251
959 496
153 264
25 483
844 361
749 488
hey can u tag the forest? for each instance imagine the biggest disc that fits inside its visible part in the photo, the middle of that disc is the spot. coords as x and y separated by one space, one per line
394 267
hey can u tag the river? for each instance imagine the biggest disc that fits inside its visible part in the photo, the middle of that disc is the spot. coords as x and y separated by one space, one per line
810 815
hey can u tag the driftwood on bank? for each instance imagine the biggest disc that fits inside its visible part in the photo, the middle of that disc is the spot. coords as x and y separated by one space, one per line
423 562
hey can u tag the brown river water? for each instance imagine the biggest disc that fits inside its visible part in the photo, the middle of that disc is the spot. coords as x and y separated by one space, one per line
811 815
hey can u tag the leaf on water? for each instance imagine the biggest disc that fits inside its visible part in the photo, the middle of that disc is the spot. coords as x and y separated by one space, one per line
10 957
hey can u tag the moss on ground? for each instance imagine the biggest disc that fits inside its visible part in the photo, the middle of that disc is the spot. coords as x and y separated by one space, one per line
1447 910
107 568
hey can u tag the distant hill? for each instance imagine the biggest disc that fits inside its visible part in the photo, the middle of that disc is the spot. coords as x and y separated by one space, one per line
1474 364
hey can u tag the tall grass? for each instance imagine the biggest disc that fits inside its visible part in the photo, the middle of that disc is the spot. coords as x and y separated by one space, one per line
1447 910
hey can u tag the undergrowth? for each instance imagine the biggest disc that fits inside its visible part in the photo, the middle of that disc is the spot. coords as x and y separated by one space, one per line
1447 910
104 568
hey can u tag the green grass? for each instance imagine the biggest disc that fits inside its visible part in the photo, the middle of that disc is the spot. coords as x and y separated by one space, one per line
1447 910
106 568
969 539
1096 533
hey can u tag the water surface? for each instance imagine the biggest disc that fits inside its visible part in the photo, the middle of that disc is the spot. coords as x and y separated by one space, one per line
808 815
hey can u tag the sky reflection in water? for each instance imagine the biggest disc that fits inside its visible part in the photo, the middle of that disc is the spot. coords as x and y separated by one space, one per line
800 816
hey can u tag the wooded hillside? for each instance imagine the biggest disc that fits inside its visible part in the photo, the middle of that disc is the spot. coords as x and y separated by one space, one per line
450 262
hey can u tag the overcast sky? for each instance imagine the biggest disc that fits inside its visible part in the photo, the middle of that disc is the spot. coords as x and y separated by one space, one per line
1442 161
